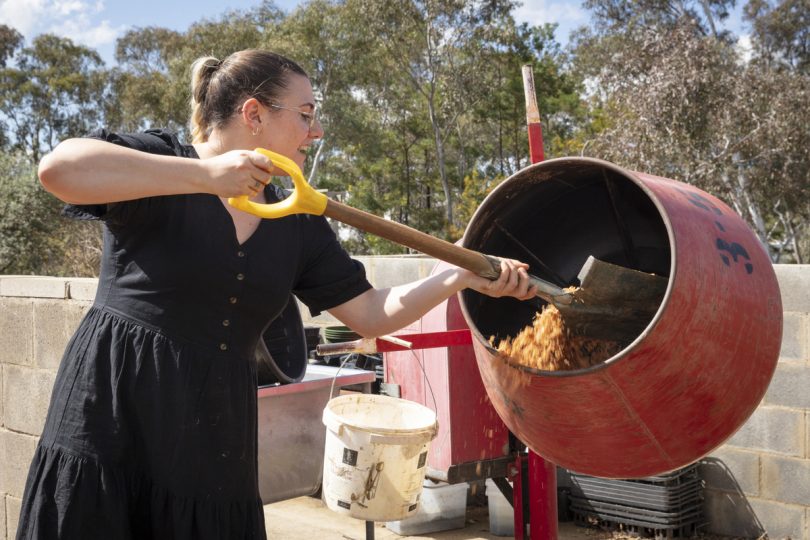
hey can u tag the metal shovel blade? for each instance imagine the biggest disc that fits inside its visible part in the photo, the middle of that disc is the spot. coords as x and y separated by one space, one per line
612 303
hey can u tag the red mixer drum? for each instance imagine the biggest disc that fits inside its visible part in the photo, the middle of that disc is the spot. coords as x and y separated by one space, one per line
696 372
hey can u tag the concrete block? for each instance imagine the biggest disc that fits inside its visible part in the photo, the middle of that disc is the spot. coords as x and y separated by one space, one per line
795 336
368 264
786 479
33 286
26 395
16 452
16 331
55 321
730 514
728 469
781 521
773 429
13 505
790 386
389 273
82 289
794 285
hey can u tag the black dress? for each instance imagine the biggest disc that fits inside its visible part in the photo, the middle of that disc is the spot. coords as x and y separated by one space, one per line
151 430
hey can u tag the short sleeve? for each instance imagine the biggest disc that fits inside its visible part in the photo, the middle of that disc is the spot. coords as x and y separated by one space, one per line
328 276
135 211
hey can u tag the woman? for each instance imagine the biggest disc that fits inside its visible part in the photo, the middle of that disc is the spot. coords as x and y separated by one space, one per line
151 431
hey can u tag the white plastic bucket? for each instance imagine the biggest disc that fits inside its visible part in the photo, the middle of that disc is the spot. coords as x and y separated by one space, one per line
375 456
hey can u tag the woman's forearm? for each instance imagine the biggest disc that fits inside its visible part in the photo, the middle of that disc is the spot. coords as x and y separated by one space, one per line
377 312
381 311
89 171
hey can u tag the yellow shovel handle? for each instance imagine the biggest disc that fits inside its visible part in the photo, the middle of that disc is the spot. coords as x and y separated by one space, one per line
304 200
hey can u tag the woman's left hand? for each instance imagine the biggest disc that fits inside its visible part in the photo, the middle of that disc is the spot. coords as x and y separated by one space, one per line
513 281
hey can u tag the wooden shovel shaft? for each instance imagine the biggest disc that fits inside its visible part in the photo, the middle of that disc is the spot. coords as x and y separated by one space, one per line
485 266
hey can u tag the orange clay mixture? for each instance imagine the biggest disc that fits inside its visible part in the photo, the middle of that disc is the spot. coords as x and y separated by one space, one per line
548 345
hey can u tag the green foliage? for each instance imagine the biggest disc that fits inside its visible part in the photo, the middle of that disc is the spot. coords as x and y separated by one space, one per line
781 32
10 41
34 239
25 220
423 108
55 91
679 103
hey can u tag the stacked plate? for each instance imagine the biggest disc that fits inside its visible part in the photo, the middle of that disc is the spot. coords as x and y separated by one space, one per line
339 334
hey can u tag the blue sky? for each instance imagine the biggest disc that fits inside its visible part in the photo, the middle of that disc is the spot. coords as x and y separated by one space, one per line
97 23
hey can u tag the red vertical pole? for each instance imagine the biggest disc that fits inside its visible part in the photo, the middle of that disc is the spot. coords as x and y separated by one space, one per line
517 495
532 117
542 476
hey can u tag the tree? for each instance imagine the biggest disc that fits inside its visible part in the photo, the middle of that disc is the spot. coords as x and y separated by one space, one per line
613 17
143 84
684 105
10 41
151 82
56 91
33 238
440 50
781 33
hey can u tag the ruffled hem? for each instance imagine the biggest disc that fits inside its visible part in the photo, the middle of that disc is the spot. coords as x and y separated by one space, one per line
69 496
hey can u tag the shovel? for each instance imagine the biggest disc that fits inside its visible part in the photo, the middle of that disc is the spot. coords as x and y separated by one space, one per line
612 303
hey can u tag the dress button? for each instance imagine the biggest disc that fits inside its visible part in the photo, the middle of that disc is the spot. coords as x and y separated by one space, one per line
240 276
240 254
223 346
232 299
226 322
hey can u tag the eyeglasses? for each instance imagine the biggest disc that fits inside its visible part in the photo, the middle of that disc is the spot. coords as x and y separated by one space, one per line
309 117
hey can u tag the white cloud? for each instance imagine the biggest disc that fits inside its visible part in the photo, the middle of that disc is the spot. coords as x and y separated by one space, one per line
73 19
538 12
66 7
22 15
86 33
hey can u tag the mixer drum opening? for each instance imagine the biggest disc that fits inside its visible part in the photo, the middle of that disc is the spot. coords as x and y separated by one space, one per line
690 378
553 218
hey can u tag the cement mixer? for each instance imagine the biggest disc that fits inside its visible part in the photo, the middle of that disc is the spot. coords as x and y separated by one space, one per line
688 380
692 375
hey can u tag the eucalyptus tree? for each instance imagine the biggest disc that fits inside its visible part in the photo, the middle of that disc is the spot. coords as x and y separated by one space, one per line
441 51
144 86
152 78
55 89
671 98
781 33
10 41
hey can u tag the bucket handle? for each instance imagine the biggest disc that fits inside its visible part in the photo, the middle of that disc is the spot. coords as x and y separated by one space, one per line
403 439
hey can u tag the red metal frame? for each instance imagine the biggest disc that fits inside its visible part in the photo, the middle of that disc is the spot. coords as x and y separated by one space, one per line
542 475
427 340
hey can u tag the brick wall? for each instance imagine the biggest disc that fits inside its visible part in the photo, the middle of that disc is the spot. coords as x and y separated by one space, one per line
37 317
759 481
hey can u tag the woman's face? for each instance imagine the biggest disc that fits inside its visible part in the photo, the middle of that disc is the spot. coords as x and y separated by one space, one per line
288 129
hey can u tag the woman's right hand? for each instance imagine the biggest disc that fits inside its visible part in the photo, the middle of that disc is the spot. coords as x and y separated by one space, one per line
237 173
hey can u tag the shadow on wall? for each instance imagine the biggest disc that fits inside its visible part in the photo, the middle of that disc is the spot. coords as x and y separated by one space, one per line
725 504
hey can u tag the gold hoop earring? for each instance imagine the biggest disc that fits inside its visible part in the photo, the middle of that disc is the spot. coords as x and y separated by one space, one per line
257 130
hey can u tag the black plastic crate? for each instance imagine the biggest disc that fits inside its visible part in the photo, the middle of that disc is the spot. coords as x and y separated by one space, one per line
663 506
635 494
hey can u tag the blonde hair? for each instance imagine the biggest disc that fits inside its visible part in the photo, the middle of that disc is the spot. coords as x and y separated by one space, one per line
218 87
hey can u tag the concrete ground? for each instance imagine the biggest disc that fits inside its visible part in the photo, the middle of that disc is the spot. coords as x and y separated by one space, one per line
307 518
